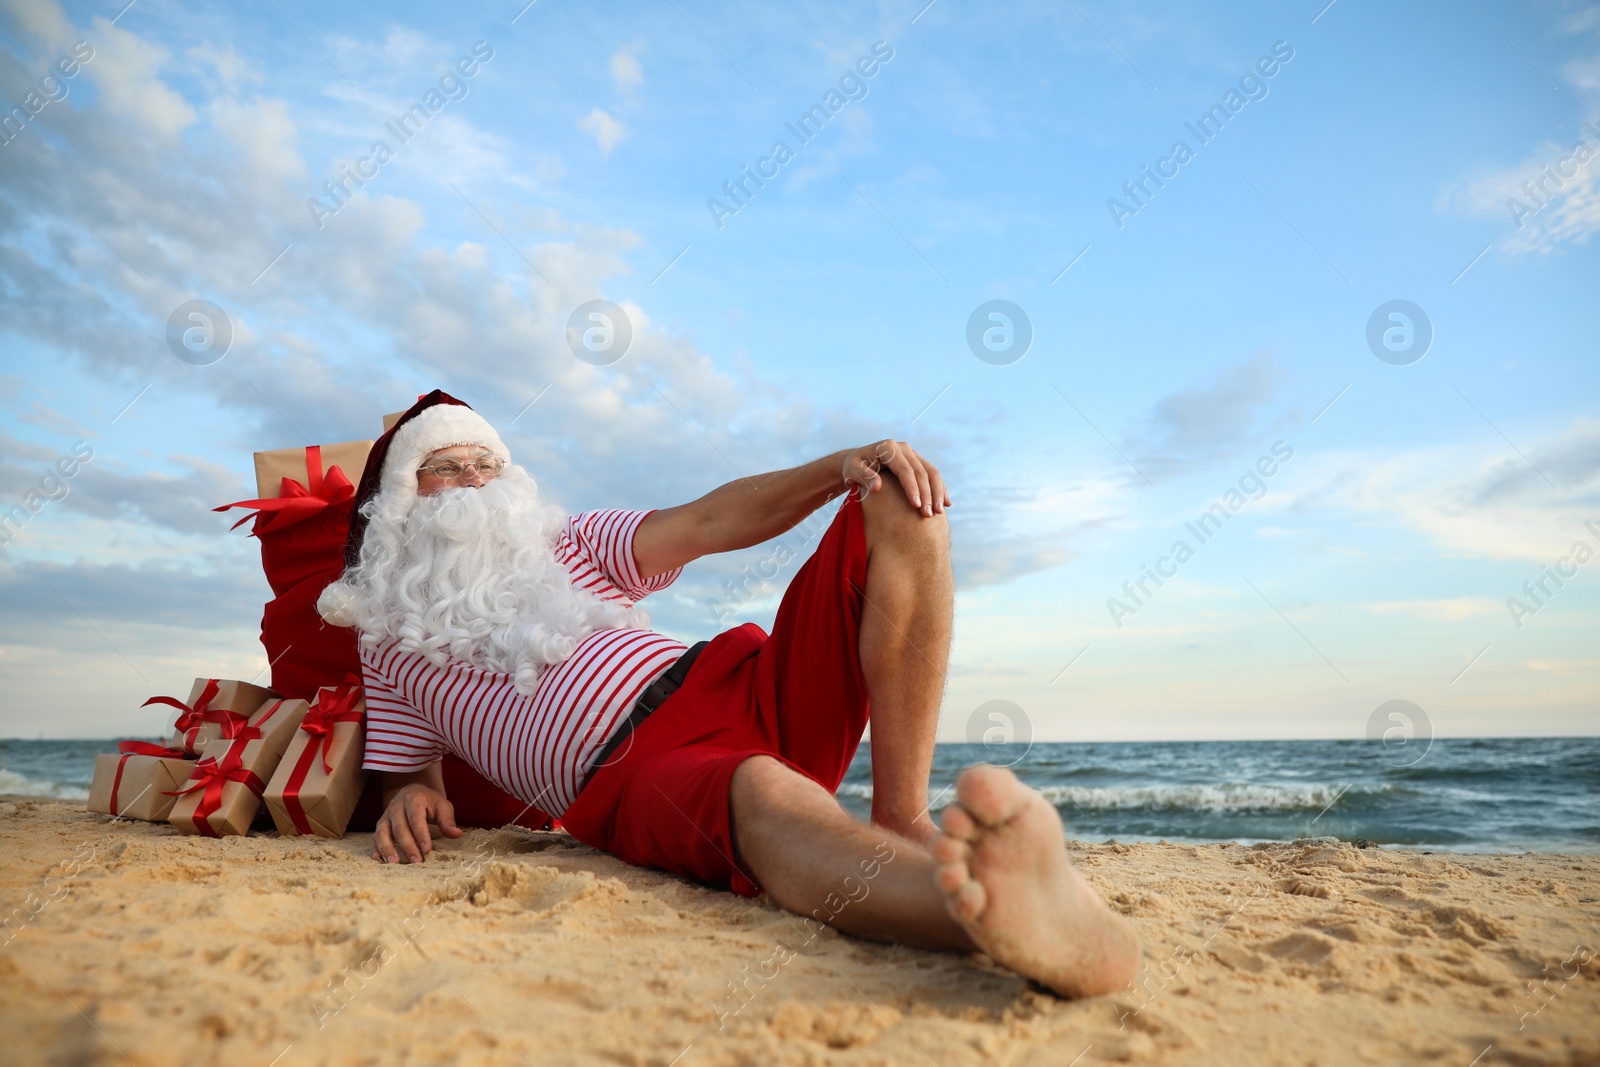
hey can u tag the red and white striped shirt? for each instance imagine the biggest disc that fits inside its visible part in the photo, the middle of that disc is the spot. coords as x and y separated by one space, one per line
535 748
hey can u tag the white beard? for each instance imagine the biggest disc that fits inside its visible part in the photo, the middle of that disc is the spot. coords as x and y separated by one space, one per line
470 574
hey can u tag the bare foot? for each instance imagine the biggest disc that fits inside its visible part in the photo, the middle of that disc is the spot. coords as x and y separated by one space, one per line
1004 871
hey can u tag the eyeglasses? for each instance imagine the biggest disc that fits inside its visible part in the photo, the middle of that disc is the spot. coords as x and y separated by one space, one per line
454 469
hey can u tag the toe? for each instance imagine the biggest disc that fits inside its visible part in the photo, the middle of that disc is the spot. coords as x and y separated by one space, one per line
958 824
990 795
952 876
968 902
947 849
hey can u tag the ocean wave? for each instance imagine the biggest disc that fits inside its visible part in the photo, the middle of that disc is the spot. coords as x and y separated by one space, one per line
12 782
1227 797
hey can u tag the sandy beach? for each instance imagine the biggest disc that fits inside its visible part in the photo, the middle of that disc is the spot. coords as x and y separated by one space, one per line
125 942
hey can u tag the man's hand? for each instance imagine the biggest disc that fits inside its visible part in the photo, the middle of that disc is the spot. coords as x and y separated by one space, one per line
922 483
403 828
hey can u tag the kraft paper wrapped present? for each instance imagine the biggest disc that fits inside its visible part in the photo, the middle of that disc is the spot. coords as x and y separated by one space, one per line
391 419
319 779
136 782
224 790
217 708
296 484
278 468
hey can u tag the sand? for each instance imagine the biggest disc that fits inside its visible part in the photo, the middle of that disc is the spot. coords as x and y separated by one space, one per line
127 943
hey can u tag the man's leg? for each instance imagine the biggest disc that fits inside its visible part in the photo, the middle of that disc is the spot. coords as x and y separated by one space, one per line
817 860
906 624
1001 882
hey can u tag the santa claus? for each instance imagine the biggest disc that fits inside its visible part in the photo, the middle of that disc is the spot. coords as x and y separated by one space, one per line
495 627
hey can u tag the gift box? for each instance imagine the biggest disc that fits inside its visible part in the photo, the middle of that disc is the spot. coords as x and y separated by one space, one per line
136 782
289 474
319 779
223 792
392 418
217 708
297 484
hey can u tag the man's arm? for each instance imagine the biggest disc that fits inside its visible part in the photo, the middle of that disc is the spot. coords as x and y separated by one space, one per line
431 776
751 510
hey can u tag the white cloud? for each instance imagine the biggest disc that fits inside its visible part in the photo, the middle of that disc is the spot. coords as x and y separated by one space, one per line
626 73
606 131
1197 424
265 140
126 70
1469 500
1571 219
1579 17
1551 199
402 47
45 21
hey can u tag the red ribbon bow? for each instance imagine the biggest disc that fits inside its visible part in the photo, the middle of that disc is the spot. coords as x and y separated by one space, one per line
335 706
295 502
191 716
190 719
212 775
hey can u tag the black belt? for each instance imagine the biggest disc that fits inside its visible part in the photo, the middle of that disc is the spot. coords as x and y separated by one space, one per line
652 698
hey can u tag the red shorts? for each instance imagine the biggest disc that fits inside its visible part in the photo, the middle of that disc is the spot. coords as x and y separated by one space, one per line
798 695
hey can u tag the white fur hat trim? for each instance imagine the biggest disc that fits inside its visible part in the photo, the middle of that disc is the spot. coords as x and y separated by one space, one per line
440 426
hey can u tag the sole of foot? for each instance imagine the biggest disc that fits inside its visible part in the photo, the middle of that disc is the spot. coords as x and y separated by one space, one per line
1004 871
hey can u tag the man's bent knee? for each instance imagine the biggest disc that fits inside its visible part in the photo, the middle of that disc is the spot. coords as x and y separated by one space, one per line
889 513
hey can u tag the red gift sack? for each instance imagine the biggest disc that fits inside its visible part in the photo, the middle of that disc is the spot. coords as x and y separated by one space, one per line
300 560
302 534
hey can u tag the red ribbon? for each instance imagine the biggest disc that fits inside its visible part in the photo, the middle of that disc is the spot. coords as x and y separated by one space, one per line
116 783
331 707
146 748
295 502
212 775
243 735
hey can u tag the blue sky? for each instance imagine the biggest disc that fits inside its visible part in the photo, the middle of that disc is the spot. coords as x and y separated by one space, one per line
1225 317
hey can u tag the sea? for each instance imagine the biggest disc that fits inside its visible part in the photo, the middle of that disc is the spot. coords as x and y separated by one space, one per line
1453 795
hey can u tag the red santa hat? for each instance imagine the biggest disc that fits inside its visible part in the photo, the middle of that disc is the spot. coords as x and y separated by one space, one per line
437 420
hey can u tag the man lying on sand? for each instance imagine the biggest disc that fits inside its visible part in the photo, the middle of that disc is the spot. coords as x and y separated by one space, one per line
496 627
